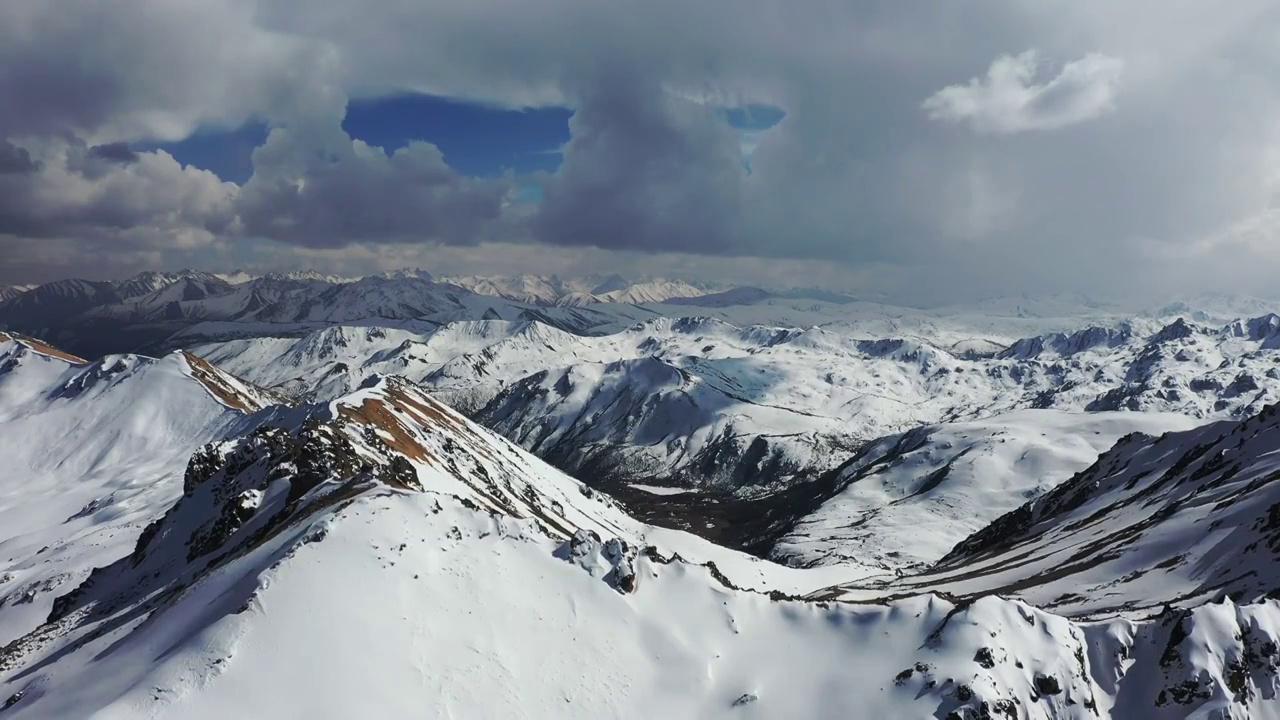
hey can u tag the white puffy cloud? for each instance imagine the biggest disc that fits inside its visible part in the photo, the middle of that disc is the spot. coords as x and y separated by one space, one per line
1008 99
72 191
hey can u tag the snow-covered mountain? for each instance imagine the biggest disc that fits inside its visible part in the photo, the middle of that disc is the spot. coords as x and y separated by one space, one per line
50 303
186 308
696 402
379 553
576 292
1214 307
1176 520
149 282
653 291
71 311
89 450
134 314
1030 507
235 277
8 292
533 289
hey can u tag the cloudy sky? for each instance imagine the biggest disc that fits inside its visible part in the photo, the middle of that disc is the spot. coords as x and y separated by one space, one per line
924 151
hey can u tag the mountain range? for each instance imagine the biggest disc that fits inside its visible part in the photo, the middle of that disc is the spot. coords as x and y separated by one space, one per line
310 496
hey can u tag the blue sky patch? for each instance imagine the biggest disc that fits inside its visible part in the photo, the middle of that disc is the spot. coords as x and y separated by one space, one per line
754 117
752 121
227 153
476 140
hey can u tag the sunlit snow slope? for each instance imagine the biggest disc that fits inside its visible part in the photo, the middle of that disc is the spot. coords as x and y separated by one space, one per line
90 453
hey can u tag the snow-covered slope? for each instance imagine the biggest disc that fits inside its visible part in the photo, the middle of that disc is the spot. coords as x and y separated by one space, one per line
1176 520
953 479
91 452
8 292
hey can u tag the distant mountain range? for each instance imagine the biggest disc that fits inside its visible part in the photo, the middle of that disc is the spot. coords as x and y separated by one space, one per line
149 311
96 317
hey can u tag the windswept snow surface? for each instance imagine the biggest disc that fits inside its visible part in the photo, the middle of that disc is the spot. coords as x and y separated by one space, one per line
415 606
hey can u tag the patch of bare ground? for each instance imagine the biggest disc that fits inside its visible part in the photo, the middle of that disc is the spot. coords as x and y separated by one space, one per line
215 381
378 415
429 413
45 348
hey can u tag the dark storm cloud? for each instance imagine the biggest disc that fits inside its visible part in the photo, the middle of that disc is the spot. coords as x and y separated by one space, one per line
644 170
15 160
117 152
146 69
313 185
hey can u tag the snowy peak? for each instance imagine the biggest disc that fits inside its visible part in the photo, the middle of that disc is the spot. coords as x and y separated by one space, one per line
92 452
612 283
531 289
237 496
100 375
235 277
457 456
409 273
307 276
1177 330
1264 329
52 302
146 283
1216 307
